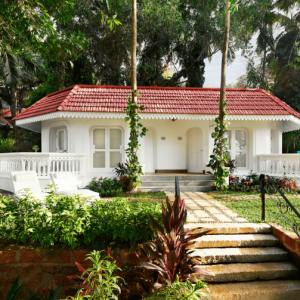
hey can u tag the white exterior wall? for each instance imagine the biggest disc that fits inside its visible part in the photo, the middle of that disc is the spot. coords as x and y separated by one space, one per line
170 153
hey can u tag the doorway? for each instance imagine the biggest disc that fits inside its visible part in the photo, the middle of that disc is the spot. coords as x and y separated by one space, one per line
195 151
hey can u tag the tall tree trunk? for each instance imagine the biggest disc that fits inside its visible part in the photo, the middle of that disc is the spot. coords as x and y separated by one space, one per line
133 68
13 102
262 82
223 76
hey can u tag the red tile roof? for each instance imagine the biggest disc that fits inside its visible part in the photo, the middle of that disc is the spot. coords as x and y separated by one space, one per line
159 100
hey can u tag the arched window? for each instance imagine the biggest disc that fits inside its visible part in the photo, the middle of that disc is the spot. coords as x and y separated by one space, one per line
107 147
58 139
237 139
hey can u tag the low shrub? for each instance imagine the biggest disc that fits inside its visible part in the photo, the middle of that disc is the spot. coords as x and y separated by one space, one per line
106 187
69 221
250 183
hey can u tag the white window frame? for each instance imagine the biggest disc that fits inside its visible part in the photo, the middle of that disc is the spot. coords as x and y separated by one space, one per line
65 140
107 149
233 151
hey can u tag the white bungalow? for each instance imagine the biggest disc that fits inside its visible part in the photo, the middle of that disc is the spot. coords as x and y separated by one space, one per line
84 132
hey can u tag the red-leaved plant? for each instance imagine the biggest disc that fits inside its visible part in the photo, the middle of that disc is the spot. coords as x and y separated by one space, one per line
170 255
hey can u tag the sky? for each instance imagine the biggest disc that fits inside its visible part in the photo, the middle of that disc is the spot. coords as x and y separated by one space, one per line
233 71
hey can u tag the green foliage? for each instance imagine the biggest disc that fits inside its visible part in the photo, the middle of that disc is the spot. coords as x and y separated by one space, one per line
7 145
291 142
181 290
69 221
137 130
106 187
28 27
220 154
100 280
52 81
35 148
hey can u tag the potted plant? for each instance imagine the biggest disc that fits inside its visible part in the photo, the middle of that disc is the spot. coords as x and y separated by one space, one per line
122 171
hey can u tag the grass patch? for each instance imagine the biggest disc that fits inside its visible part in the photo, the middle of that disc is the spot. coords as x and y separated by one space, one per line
220 195
142 196
251 210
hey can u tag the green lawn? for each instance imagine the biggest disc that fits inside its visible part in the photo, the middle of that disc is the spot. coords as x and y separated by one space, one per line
251 208
142 196
220 195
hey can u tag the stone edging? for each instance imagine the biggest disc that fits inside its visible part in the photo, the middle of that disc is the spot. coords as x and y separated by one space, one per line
289 240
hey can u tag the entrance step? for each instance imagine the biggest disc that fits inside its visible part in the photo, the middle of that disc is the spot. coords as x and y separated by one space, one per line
171 178
241 255
182 183
237 240
258 290
230 228
249 271
158 188
188 183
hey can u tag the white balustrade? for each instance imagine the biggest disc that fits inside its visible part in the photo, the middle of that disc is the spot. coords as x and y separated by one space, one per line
42 163
279 164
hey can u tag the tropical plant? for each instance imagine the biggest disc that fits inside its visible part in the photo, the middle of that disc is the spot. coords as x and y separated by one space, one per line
35 148
106 187
13 69
231 164
122 169
100 281
169 255
181 290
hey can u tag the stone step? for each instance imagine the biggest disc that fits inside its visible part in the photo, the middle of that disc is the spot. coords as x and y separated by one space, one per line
249 271
181 183
241 255
231 228
256 290
171 178
236 240
172 188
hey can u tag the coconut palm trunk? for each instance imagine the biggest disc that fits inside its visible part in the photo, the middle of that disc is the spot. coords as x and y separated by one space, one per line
222 104
133 71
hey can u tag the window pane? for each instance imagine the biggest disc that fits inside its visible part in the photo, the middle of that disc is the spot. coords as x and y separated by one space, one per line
115 139
99 138
61 140
99 160
240 158
240 140
228 136
115 157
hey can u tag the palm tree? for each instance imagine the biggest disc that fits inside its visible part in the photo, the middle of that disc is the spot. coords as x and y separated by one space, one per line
14 72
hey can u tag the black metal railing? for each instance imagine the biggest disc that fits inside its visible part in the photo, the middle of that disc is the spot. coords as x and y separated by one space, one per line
286 208
177 188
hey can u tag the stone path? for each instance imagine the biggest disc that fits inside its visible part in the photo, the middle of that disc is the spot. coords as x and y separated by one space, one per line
204 209
247 260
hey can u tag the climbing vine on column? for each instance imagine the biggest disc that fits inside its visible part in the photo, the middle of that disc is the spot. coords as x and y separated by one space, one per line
137 130
220 153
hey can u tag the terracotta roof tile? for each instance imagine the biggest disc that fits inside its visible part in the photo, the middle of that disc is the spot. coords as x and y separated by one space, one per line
162 100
